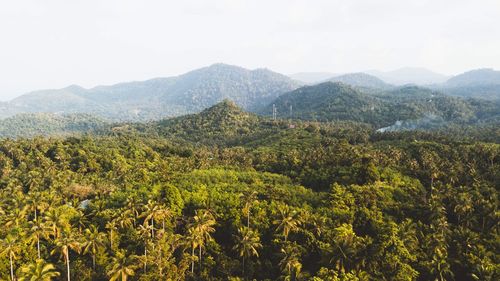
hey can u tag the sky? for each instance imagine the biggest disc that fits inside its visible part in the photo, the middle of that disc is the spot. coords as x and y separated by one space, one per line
54 43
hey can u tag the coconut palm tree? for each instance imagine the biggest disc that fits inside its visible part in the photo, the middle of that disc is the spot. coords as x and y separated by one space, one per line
145 233
38 271
202 228
151 212
111 226
290 263
132 208
247 245
248 200
38 230
94 240
54 219
288 220
63 244
10 248
192 239
16 215
123 266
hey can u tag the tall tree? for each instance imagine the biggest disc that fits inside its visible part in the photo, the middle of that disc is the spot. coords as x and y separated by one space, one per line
63 244
248 244
10 248
93 241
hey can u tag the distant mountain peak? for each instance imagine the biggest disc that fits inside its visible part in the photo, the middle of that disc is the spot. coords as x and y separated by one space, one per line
361 80
226 106
224 119
485 76
161 97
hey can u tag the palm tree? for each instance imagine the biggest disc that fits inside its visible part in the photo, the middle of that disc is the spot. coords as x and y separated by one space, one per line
54 218
38 271
63 245
123 266
288 220
151 212
164 214
145 233
111 226
192 239
248 200
290 263
94 240
16 215
248 244
81 221
38 230
132 208
125 220
10 248
202 227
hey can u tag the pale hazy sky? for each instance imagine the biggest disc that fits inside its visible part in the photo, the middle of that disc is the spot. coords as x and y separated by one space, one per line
55 43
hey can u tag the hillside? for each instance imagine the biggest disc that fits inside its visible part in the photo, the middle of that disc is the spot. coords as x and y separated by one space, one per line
361 80
480 83
47 124
161 97
336 101
205 87
328 102
485 76
221 121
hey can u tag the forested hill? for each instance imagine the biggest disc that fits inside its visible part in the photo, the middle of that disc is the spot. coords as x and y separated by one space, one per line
336 101
479 83
361 80
159 98
47 124
390 206
222 121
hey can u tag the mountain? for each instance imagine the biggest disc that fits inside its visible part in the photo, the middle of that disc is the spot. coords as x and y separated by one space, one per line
160 97
479 83
204 87
47 124
312 77
409 75
361 80
221 121
339 102
327 101
485 76
226 124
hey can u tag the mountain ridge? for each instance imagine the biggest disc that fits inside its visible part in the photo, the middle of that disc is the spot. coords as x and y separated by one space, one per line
160 97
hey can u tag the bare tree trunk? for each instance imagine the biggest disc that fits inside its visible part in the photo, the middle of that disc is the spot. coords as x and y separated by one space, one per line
145 259
192 262
67 265
200 259
38 245
11 269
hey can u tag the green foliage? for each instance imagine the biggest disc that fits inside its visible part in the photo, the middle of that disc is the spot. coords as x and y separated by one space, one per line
229 195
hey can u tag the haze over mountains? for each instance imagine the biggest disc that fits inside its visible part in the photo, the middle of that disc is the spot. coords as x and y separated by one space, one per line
161 97
359 97
410 75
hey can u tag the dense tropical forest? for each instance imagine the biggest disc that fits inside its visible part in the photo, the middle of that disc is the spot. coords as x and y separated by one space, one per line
228 195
